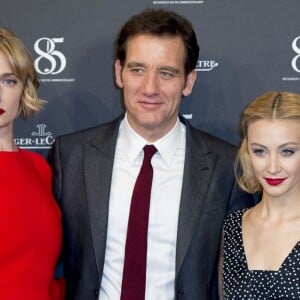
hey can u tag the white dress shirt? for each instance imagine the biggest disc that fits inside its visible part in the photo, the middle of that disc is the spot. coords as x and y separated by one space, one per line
168 164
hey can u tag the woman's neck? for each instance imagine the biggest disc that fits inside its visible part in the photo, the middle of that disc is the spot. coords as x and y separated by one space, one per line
7 139
281 208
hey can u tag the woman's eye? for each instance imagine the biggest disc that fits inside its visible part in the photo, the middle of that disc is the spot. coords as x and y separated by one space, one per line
9 81
259 152
287 152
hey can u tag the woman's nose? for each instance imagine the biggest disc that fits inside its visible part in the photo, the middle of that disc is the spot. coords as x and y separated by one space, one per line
274 166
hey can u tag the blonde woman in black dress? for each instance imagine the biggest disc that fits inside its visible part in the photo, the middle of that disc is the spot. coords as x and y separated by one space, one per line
261 256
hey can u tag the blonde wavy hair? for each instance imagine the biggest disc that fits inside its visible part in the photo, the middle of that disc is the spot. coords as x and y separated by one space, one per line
22 66
269 106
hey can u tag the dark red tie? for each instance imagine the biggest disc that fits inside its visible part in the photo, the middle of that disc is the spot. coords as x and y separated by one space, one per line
134 272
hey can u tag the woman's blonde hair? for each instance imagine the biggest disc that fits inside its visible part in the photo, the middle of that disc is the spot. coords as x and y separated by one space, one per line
269 106
22 66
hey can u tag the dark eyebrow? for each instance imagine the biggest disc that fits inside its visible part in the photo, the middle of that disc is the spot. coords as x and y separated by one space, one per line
171 69
134 65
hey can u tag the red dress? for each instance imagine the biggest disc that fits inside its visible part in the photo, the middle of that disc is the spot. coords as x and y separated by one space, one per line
30 227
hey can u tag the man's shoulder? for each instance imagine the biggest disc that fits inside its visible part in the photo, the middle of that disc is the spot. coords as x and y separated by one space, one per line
209 141
100 131
202 136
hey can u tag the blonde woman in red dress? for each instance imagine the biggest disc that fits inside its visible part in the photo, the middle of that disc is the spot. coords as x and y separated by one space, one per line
30 221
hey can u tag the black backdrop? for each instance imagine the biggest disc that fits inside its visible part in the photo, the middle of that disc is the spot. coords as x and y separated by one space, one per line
246 48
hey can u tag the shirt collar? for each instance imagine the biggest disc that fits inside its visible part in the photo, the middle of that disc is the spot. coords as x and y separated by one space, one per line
166 146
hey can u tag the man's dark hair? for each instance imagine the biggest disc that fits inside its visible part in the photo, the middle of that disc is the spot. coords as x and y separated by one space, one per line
160 23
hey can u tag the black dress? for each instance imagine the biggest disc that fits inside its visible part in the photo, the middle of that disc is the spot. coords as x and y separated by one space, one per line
241 283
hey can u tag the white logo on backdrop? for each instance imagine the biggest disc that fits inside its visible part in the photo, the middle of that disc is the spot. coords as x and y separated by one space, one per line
206 65
55 60
295 63
295 60
40 139
50 61
188 116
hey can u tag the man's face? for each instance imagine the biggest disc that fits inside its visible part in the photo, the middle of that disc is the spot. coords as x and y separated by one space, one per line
153 81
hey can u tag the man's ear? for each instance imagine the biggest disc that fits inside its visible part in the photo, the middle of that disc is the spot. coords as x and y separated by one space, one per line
189 83
118 73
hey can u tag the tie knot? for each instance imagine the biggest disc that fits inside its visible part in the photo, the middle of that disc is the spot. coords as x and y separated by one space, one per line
149 151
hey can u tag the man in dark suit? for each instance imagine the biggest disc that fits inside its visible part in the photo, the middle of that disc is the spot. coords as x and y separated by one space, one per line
193 184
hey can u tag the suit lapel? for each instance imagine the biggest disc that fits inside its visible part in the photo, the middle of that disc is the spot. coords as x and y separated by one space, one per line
98 165
199 164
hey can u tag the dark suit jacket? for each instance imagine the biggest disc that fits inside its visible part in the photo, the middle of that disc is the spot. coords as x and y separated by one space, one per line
82 164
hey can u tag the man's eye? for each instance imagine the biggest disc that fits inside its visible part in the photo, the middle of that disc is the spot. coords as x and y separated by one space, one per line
137 70
167 74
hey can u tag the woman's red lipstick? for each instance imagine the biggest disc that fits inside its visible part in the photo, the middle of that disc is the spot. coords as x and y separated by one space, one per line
2 111
274 181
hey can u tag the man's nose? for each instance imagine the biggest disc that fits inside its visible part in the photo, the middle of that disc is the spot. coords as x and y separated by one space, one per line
151 85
